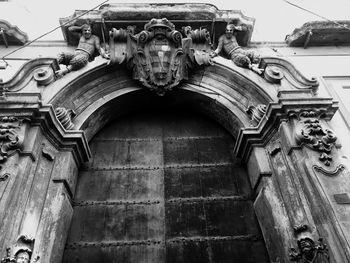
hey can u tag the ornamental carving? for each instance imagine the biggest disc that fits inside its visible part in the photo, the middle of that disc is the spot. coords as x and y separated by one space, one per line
312 133
65 117
256 113
22 252
10 138
308 251
160 56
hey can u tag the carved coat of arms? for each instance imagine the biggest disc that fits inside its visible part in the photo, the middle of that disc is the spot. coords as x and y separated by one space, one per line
159 56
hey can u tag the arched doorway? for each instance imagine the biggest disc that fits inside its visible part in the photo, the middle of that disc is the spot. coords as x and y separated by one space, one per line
163 186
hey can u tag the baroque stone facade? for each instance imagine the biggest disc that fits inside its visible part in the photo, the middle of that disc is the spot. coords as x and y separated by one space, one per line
280 122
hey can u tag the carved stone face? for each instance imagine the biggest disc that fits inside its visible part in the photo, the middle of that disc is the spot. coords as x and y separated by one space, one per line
87 32
229 31
307 248
22 257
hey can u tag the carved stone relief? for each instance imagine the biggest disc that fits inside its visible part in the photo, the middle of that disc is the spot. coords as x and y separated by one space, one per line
314 135
65 117
273 74
160 56
308 250
256 113
22 251
44 76
10 139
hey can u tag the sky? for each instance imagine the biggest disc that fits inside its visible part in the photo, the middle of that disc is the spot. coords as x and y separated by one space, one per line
274 18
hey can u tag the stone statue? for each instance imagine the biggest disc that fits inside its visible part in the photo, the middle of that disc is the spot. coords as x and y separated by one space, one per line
309 252
242 58
23 250
88 45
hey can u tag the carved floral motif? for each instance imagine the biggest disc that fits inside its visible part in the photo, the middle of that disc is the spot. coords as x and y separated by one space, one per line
160 56
311 132
9 137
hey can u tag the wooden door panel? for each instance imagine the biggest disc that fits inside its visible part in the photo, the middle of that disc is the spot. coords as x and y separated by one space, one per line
124 184
200 181
163 187
221 251
127 153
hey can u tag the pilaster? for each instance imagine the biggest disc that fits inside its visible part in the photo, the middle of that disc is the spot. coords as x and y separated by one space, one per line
39 167
299 176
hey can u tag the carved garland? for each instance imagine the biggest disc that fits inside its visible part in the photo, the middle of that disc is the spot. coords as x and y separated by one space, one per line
313 134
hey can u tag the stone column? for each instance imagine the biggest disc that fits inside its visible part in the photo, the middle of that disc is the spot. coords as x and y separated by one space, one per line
39 167
299 177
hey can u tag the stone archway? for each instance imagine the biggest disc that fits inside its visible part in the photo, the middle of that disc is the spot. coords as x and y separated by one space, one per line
163 185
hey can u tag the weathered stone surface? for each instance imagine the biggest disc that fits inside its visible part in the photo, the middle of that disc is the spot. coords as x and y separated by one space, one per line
195 15
11 35
320 33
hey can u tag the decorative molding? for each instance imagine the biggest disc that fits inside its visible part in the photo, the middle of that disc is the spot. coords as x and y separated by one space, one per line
25 72
312 133
4 176
44 76
196 15
273 74
48 153
276 68
22 251
159 56
12 35
65 117
333 173
256 113
308 251
323 33
11 139
282 111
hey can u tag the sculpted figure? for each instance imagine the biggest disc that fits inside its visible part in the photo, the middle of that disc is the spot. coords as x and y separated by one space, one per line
88 45
309 252
22 257
242 58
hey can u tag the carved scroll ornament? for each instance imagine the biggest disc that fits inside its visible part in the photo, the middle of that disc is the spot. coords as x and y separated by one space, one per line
312 133
256 113
65 117
10 139
159 56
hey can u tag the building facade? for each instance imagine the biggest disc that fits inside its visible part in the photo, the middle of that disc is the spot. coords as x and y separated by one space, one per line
158 149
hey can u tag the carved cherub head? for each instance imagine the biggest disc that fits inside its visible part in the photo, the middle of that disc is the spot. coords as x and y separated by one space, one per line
22 256
307 247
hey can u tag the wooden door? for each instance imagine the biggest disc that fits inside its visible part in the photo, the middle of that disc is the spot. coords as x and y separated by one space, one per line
163 187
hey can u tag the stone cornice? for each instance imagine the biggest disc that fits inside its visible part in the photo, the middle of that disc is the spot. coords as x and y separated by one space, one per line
277 113
30 107
277 67
196 15
320 33
14 36
27 71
